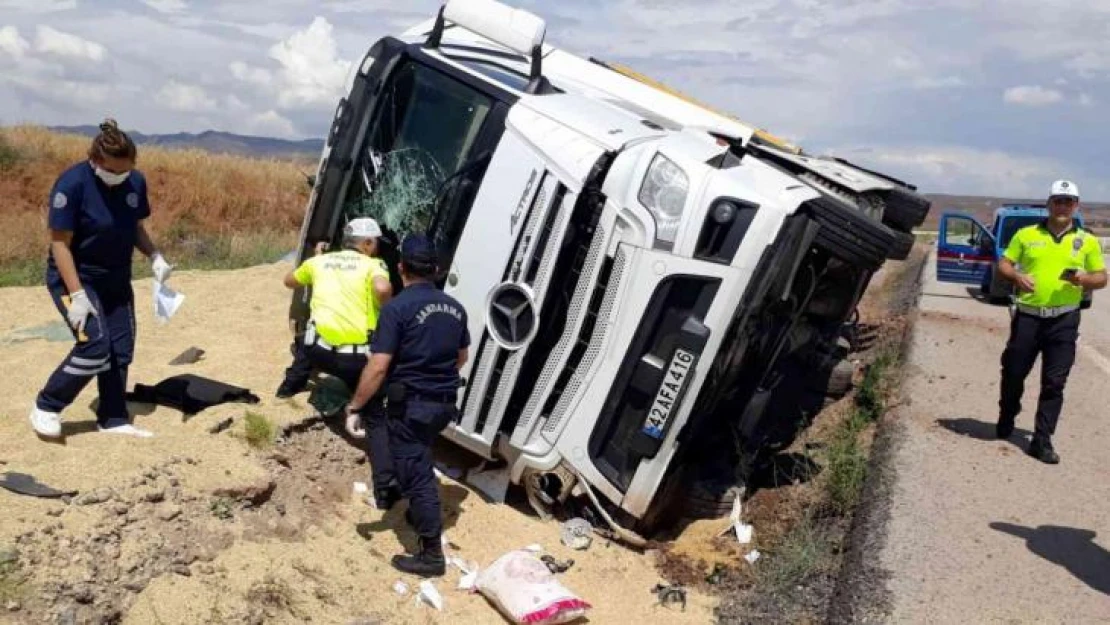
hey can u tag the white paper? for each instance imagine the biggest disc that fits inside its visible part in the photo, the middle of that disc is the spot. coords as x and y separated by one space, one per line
742 530
744 533
752 556
534 548
430 595
166 301
400 588
361 488
469 581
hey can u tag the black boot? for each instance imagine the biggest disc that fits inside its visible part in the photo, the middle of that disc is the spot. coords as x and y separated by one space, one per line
1041 449
1005 427
429 562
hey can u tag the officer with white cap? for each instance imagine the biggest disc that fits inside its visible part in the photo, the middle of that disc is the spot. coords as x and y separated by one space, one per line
349 288
1052 264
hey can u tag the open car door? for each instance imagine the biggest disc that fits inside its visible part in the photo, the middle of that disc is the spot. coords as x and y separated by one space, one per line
965 250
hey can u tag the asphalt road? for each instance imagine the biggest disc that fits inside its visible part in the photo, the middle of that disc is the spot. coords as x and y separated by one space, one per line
978 531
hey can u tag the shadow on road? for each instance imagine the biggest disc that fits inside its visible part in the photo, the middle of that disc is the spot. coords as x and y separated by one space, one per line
1074 549
983 431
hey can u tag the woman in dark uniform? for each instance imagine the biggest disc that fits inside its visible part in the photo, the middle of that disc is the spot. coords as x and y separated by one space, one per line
97 213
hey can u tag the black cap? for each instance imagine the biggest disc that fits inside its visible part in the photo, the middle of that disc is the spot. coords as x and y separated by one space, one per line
418 250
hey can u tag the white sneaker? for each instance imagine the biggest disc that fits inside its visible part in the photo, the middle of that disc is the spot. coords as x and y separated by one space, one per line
48 424
127 430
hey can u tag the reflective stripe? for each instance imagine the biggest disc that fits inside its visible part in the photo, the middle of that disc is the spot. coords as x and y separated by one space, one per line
85 373
85 362
1046 312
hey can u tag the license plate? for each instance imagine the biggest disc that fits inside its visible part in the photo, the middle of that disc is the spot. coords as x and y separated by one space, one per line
666 398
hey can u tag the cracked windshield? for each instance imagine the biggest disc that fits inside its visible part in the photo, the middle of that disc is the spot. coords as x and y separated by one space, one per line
421 135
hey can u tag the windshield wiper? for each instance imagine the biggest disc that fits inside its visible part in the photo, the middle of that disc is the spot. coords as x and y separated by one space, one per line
448 184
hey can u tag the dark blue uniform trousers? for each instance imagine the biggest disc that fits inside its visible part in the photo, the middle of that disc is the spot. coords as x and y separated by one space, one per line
411 438
105 354
1055 340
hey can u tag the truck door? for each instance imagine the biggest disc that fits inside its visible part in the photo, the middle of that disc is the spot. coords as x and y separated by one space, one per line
965 250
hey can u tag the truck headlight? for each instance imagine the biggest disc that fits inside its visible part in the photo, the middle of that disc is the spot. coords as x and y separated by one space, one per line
664 192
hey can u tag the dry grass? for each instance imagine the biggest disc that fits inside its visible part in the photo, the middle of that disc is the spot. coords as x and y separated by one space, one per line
208 211
260 432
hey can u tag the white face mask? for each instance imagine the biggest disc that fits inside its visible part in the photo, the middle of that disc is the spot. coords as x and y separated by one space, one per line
111 179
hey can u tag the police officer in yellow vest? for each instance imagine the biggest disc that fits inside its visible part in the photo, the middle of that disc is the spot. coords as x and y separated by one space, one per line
349 288
1051 264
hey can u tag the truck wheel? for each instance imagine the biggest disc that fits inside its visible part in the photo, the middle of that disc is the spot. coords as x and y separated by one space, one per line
905 210
903 245
849 235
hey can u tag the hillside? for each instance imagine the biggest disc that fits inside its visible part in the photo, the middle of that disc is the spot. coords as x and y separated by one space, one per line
210 211
217 142
982 207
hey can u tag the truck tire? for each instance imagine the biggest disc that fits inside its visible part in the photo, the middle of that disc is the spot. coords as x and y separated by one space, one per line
849 235
903 245
905 210
840 381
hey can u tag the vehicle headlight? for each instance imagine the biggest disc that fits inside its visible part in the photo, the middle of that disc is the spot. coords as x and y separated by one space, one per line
664 193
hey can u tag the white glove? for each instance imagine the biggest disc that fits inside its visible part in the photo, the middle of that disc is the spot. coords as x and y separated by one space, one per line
354 424
79 310
161 268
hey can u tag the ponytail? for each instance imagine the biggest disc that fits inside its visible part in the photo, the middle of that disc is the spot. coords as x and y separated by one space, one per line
112 143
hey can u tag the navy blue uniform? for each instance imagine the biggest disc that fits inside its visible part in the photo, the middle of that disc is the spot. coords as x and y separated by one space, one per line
104 222
423 329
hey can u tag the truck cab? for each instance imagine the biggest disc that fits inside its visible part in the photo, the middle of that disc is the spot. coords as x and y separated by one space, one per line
653 303
968 251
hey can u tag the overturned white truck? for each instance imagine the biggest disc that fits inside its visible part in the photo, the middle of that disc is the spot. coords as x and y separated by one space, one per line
658 293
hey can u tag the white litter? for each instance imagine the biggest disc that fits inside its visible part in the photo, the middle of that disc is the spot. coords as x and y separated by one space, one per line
523 589
534 548
166 302
743 531
429 594
752 556
361 488
400 588
576 533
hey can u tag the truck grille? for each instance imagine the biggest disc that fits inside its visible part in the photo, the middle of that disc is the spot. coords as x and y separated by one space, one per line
590 340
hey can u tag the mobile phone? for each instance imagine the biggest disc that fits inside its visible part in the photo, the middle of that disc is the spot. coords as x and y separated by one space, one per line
1069 274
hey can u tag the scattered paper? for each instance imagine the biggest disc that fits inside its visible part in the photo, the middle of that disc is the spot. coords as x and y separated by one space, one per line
534 548
166 301
361 488
743 531
752 556
429 595
469 570
576 533
400 588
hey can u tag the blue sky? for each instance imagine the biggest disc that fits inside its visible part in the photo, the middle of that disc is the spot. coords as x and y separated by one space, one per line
995 97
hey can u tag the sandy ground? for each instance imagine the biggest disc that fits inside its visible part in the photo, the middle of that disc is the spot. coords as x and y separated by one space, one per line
979 532
333 568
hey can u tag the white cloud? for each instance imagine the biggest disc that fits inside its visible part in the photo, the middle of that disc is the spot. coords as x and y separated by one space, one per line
311 71
946 82
959 169
1032 95
185 98
272 124
1089 64
252 75
11 43
37 6
1085 99
51 41
167 6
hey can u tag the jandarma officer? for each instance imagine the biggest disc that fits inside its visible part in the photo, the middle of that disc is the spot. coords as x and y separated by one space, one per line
420 345
97 214
1051 265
